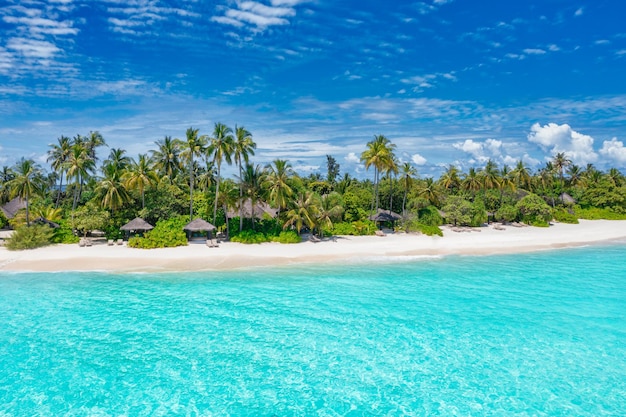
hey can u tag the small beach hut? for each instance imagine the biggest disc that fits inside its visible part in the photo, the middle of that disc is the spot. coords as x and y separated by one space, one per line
11 208
197 226
136 225
261 209
567 199
385 216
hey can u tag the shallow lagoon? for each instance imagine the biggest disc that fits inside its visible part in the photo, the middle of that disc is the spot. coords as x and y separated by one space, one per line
531 334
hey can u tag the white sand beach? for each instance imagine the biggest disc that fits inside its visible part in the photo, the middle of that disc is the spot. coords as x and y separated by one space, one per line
197 256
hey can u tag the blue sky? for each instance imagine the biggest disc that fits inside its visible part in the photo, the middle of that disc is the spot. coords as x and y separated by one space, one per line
448 81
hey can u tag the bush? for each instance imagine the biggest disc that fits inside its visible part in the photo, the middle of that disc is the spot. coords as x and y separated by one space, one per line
564 216
30 237
594 213
429 230
287 237
358 228
166 234
430 216
64 234
507 213
250 237
534 210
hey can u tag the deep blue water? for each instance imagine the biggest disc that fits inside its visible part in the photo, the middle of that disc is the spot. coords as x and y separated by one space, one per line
534 334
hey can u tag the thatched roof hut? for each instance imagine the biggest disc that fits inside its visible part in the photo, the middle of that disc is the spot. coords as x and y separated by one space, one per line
385 216
137 224
11 208
261 209
199 225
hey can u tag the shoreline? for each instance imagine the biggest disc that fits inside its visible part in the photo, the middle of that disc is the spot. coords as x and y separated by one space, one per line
486 240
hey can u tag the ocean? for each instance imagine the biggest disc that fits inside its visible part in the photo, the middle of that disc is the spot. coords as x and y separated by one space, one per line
535 334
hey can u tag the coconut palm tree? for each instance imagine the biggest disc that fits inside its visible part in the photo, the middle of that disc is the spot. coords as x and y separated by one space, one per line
471 182
330 208
111 188
193 145
408 172
450 179
304 212
243 147
576 176
166 158
521 176
379 154
78 166
221 148
140 175
57 156
93 141
6 175
117 157
252 179
28 181
490 176
428 189
560 162
277 183
391 169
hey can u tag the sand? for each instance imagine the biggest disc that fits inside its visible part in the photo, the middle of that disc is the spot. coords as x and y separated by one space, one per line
229 255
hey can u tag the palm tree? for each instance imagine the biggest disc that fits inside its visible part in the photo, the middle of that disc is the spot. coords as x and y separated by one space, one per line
490 176
391 168
166 158
6 175
243 147
330 208
379 154
561 162
78 165
28 181
93 141
206 177
506 181
139 176
194 145
521 176
408 172
616 177
471 182
111 188
229 198
276 182
118 159
58 156
252 178
450 178
221 147
576 176
304 212
429 191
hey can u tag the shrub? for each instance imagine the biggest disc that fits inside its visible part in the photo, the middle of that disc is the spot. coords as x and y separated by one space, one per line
250 237
166 234
358 228
430 216
287 237
594 213
64 234
507 213
534 210
30 237
429 230
564 216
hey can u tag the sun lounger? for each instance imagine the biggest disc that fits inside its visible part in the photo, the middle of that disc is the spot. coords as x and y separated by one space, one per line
380 233
88 242
110 242
314 239
81 243
120 241
212 243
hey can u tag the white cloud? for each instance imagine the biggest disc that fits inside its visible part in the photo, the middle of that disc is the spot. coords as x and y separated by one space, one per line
352 158
562 138
579 12
534 51
259 15
418 159
615 150
32 48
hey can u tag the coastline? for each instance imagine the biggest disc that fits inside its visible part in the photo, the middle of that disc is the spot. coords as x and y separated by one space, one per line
229 255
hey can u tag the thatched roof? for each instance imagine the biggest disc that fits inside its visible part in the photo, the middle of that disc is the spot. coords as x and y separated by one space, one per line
385 216
567 199
261 209
199 225
43 220
137 224
11 208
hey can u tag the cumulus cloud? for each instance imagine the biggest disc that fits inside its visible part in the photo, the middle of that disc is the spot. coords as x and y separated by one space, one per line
562 138
492 149
614 149
418 159
352 157
258 15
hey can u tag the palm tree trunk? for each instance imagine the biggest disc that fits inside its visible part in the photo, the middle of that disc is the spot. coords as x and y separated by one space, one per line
240 199
56 205
217 191
376 189
191 187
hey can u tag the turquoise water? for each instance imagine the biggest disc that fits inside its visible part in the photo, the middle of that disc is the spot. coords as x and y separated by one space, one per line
534 334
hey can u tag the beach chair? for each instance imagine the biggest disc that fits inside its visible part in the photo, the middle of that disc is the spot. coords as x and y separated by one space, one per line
314 239
81 243
88 242
110 242
380 233
120 241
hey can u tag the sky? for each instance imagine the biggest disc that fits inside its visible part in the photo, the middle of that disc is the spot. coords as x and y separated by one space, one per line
448 81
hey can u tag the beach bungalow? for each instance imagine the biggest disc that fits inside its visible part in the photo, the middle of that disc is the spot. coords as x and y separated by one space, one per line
261 210
136 226
197 227
384 216
11 208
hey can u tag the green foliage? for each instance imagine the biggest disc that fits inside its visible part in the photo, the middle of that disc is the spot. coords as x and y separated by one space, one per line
478 213
534 210
88 218
595 213
166 234
357 228
357 201
250 237
288 236
65 233
3 220
507 213
430 216
564 216
539 223
429 230
164 202
30 237
458 210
